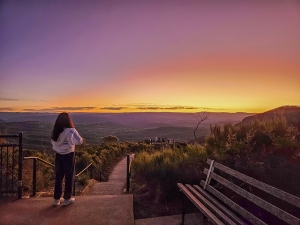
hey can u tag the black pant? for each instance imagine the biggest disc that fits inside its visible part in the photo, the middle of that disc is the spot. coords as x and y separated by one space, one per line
64 168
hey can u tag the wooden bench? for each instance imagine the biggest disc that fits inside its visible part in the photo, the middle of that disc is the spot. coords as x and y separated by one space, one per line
220 209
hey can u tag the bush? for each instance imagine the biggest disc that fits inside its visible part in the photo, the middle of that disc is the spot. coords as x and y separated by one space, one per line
103 156
110 139
237 141
159 171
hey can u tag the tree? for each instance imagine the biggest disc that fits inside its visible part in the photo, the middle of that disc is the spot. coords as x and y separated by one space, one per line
200 117
110 139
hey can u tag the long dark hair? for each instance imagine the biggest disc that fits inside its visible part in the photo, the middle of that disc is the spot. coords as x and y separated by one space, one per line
63 121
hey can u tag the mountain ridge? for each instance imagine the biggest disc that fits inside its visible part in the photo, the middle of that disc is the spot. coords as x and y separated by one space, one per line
129 119
290 112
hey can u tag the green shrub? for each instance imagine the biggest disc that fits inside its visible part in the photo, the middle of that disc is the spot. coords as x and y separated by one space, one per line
110 139
236 141
159 171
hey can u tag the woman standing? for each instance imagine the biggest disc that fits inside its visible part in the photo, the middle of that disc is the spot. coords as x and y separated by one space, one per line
64 137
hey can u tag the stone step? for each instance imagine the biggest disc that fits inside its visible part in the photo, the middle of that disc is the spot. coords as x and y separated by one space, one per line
106 188
96 210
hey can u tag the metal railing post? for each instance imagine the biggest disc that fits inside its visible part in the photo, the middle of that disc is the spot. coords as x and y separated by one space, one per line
1 160
74 185
128 178
34 178
20 171
91 174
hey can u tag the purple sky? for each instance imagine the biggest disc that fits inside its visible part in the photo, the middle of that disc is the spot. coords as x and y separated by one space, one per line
100 55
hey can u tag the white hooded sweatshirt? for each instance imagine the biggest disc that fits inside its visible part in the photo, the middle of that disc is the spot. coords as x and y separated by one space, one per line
66 141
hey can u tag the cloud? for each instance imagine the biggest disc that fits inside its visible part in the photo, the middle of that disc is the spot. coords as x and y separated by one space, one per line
24 100
215 108
167 108
5 109
147 106
9 99
37 100
69 109
114 108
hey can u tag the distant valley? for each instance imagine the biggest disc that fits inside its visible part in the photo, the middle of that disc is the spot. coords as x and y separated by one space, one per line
140 120
37 127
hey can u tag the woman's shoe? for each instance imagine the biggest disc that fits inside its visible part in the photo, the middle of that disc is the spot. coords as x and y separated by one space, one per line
57 202
68 201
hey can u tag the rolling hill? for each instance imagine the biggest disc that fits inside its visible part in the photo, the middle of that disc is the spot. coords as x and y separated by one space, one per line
290 113
37 127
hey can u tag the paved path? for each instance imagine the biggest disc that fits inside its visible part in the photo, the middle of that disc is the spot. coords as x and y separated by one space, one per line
116 181
105 204
87 210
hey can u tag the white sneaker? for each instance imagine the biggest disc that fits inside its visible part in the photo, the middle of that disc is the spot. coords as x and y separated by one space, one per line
68 201
57 202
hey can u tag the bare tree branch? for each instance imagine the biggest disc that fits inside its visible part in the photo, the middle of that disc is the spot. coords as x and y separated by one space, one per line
200 117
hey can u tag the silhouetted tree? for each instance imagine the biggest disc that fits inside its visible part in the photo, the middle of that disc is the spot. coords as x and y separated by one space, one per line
200 117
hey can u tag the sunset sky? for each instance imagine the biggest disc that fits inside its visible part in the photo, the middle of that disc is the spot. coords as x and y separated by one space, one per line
149 56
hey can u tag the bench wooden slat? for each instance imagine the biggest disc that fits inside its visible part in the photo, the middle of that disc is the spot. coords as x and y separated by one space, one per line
240 210
210 170
258 184
199 205
290 219
219 205
211 207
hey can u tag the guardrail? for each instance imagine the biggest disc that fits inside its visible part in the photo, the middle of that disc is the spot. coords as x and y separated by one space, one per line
90 166
128 174
34 166
9 155
8 168
34 170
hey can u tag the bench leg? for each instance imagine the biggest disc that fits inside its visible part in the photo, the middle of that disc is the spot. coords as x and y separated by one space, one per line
184 203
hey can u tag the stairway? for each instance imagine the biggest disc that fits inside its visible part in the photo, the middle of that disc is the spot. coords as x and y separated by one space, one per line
116 182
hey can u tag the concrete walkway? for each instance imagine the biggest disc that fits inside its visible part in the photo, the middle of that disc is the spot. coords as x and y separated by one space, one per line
104 204
87 210
116 181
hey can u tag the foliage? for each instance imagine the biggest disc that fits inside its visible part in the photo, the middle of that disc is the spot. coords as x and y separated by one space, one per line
103 156
159 171
251 148
235 141
266 150
110 138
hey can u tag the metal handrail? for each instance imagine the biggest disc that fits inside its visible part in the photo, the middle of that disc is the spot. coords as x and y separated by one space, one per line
35 159
77 175
128 172
91 174
38 158
34 171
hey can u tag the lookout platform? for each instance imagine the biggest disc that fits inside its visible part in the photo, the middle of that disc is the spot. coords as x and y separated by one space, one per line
105 203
